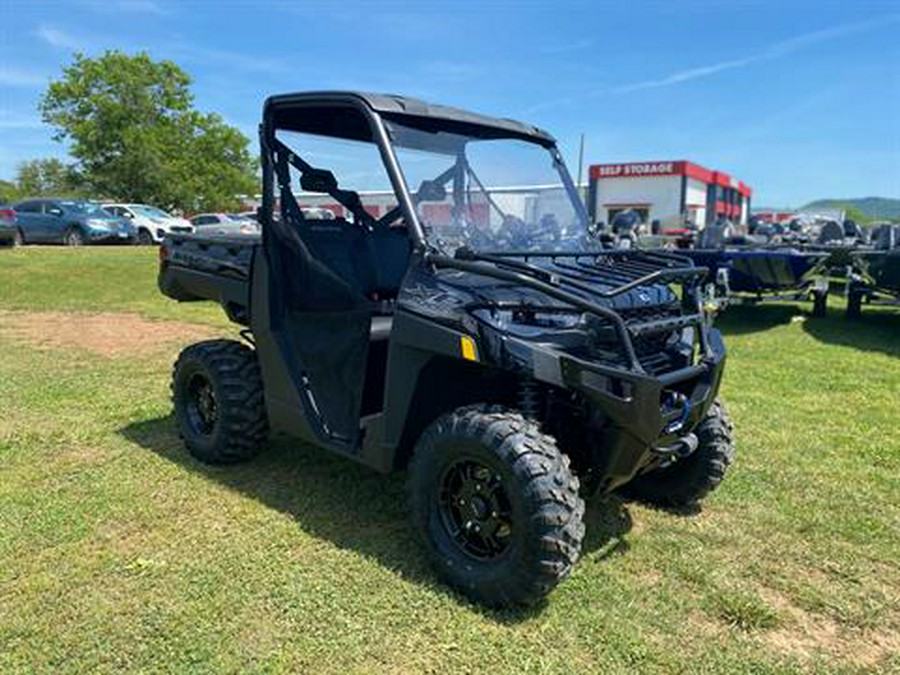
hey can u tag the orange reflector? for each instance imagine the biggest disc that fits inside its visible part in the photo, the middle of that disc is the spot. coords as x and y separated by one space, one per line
467 344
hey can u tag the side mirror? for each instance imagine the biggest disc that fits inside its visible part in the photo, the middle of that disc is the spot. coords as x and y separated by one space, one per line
127 214
431 191
318 180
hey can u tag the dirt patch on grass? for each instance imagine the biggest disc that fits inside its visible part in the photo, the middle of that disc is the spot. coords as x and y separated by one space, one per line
107 334
806 636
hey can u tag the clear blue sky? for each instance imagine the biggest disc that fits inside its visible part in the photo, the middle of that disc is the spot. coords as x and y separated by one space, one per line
801 100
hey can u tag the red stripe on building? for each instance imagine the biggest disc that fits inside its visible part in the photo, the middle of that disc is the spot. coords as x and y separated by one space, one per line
701 173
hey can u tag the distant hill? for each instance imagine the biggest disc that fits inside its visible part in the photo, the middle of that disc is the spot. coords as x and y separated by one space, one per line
873 208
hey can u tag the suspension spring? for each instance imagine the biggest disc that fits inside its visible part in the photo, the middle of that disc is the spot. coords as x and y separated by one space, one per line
529 398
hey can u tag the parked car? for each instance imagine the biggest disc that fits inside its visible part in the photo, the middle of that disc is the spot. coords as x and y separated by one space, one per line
243 215
316 213
223 224
151 223
9 233
70 222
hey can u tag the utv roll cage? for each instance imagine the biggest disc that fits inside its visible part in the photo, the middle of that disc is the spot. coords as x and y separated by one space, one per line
286 112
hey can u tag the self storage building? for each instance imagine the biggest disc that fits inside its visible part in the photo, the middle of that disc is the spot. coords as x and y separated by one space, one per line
675 193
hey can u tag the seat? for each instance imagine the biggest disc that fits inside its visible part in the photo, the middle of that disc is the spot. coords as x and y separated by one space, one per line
372 263
331 243
380 260
392 249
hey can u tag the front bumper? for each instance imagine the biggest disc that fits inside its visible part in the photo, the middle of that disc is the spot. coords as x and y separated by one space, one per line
110 236
641 412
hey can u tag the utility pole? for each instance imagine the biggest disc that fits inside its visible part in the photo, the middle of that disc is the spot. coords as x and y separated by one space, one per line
580 162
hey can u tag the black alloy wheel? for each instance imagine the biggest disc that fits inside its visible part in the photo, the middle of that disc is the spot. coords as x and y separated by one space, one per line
475 509
202 410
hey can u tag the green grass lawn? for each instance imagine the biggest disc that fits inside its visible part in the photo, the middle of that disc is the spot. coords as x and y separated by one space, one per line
118 552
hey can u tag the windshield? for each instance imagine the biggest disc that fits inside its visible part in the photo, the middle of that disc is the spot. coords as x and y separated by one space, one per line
149 211
85 208
490 194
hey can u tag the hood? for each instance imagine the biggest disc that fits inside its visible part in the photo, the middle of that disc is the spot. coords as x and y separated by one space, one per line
172 223
610 282
110 222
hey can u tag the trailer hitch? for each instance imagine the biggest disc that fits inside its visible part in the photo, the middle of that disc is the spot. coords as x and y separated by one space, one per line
678 400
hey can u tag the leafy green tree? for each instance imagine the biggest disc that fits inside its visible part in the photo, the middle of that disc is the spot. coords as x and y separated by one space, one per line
136 136
8 192
46 178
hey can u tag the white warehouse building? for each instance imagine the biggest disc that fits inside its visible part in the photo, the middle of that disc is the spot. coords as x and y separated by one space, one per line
677 194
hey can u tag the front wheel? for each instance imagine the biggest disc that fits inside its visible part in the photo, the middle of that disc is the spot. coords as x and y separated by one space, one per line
689 480
217 394
495 505
74 237
144 238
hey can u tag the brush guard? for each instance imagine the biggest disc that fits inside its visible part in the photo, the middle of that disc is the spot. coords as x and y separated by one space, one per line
621 270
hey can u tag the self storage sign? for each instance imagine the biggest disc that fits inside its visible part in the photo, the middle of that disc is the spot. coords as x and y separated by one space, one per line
637 169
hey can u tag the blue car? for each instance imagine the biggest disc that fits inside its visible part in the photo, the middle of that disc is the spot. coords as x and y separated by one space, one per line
70 222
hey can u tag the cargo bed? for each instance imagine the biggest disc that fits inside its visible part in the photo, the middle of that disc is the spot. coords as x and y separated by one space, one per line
196 267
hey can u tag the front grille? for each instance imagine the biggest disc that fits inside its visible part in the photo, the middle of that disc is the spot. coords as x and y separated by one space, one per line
181 229
654 350
648 344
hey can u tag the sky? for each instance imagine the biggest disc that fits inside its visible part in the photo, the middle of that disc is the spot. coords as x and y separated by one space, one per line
799 99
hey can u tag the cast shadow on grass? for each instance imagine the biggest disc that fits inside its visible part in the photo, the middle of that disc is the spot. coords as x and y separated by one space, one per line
335 499
743 319
877 330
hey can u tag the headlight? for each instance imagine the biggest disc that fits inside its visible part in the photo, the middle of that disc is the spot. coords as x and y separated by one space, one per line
533 324
97 224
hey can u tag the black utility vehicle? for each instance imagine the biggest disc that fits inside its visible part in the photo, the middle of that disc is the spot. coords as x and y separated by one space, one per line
457 320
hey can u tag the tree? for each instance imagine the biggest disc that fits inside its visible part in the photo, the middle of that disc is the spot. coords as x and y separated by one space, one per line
8 192
136 135
46 178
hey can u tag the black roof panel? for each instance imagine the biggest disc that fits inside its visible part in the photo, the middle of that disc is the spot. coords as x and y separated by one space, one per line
392 104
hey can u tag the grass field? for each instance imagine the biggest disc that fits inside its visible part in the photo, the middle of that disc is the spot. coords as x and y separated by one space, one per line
118 552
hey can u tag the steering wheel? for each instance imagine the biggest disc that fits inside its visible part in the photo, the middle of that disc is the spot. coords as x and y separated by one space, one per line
513 232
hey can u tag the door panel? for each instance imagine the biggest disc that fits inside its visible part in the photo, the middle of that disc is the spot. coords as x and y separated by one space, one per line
49 225
313 362
28 219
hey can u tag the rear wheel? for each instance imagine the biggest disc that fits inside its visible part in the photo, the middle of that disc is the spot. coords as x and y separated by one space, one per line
144 238
690 479
820 303
854 302
74 237
495 505
217 394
